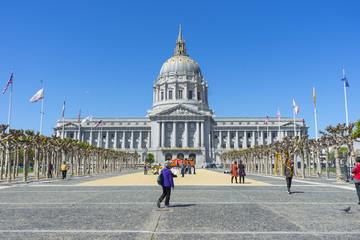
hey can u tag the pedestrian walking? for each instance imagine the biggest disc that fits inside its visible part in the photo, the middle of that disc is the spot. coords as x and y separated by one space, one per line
182 168
168 183
50 170
145 169
189 166
234 172
64 168
356 173
242 173
288 171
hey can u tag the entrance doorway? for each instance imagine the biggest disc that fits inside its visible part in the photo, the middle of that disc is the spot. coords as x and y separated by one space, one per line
180 156
192 157
168 156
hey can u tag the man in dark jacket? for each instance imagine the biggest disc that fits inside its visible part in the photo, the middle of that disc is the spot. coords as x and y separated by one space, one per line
166 186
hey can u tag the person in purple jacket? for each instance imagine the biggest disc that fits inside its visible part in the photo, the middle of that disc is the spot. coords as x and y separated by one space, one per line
167 185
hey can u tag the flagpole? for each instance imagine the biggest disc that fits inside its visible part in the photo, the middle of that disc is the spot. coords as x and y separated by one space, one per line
346 110
279 125
316 131
12 80
294 120
42 109
64 120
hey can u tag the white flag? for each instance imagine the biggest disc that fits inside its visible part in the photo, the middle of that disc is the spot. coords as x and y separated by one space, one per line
296 108
39 95
87 119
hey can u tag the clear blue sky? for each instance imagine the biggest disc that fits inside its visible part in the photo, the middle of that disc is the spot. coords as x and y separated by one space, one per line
105 55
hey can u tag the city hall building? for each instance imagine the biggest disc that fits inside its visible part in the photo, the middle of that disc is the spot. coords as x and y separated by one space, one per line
180 123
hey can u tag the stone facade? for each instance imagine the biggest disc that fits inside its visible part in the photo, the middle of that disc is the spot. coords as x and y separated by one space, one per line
180 124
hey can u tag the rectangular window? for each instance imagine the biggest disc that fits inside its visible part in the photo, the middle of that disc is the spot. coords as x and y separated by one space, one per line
162 95
198 96
232 135
190 95
265 135
71 135
249 135
170 94
180 94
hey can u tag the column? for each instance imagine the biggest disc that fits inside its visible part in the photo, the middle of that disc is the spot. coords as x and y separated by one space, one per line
269 137
115 140
163 134
199 134
107 140
132 140
202 134
244 144
159 134
99 138
149 140
262 138
228 140
140 140
237 140
197 139
173 137
186 134
253 139
124 139
220 139
91 137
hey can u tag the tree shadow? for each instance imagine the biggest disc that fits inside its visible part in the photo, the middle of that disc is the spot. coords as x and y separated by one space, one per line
182 205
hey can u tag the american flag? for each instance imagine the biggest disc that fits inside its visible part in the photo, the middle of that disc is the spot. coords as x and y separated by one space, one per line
267 120
63 109
79 115
8 83
98 124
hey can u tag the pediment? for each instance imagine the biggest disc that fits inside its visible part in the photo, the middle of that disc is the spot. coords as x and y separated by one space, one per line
179 110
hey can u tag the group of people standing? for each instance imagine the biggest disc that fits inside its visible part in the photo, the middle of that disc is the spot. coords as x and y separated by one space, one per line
238 171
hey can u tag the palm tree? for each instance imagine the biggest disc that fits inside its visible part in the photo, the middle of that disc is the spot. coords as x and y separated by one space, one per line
336 141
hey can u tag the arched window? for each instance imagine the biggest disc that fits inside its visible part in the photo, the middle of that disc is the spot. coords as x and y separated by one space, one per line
180 156
168 156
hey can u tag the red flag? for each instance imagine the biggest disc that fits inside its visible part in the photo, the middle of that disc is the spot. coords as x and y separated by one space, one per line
8 83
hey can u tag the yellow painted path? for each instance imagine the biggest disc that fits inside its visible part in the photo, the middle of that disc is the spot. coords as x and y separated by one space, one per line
202 177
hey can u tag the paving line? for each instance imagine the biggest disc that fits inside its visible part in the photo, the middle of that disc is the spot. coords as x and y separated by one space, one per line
314 183
177 233
182 203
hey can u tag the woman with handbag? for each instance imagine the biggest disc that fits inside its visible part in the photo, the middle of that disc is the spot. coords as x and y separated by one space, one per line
356 173
242 173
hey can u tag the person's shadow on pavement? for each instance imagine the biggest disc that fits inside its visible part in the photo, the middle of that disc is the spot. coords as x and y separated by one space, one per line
182 205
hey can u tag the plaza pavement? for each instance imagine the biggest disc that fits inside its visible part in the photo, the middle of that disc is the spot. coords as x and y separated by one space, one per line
204 206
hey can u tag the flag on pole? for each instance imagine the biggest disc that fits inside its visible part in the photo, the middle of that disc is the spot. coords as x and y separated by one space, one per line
296 108
39 95
267 120
79 115
63 115
87 119
279 114
98 124
345 79
8 83
314 94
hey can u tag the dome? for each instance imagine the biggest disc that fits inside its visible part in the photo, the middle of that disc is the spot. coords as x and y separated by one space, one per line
180 64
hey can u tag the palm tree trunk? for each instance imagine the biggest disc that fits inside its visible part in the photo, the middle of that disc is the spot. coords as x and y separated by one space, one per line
25 164
327 162
8 157
302 159
338 167
2 163
318 163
